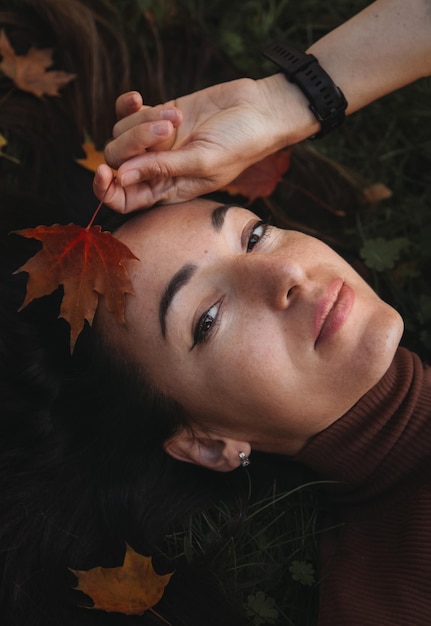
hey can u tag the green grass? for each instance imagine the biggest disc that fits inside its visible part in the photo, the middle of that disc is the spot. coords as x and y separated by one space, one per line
264 556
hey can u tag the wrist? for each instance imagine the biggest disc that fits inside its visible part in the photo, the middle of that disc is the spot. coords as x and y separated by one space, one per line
326 101
289 112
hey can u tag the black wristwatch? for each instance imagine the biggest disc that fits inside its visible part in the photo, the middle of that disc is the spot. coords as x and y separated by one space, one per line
327 101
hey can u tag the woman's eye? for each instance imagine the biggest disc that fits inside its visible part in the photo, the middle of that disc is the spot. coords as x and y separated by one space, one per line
206 324
257 235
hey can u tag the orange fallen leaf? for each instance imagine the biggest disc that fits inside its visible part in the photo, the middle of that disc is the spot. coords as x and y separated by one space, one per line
376 193
260 179
131 589
93 158
9 157
28 71
88 263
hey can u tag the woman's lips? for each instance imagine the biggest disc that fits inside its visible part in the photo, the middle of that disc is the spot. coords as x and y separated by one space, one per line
332 310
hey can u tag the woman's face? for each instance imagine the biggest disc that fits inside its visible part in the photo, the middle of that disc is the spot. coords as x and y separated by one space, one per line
261 334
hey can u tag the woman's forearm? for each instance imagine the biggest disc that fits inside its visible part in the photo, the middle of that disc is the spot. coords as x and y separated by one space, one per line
217 132
383 48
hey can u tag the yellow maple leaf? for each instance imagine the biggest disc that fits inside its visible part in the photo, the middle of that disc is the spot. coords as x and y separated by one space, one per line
29 71
131 589
3 144
93 158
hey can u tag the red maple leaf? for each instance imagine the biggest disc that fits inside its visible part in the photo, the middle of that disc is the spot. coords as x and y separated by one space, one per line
28 71
260 179
88 263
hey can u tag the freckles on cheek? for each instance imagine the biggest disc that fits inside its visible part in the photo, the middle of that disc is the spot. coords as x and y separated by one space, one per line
259 359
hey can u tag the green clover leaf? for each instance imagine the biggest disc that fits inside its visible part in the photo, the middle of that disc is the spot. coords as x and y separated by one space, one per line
381 254
261 608
302 572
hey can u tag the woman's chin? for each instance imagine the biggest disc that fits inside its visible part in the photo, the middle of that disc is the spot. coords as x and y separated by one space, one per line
382 347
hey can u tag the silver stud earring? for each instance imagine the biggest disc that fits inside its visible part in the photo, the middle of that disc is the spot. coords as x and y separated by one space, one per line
244 459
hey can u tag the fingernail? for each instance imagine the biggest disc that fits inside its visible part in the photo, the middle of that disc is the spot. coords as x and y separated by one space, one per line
130 178
169 114
160 128
132 99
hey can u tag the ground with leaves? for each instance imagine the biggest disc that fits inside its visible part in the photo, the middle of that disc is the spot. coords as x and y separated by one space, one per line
131 588
365 189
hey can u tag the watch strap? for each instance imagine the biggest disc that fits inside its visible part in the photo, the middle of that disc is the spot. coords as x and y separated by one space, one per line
327 101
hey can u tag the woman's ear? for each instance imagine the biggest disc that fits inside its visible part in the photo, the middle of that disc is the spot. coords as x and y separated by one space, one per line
211 451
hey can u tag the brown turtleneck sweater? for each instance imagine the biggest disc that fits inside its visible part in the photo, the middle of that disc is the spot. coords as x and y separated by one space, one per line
376 566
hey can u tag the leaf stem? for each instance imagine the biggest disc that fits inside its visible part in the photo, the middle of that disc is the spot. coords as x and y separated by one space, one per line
91 222
9 157
160 617
318 201
7 94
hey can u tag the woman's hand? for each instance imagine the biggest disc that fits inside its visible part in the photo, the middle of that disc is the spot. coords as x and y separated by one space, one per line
177 151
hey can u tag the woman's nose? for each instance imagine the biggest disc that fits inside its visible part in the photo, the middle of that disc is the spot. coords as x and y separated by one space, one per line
269 277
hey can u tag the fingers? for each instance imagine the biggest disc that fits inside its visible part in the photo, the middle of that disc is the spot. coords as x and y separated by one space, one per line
147 114
128 103
104 185
155 166
108 190
157 189
123 200
150 128
156 135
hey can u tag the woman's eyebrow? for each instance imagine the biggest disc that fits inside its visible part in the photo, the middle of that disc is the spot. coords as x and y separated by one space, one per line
183 276
178 280
218 215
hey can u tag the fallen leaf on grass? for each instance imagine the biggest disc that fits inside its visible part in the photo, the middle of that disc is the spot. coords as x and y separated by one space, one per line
381 254
260 180
261 609
88 263
376 193
29 71
3 144
302 572
132 588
